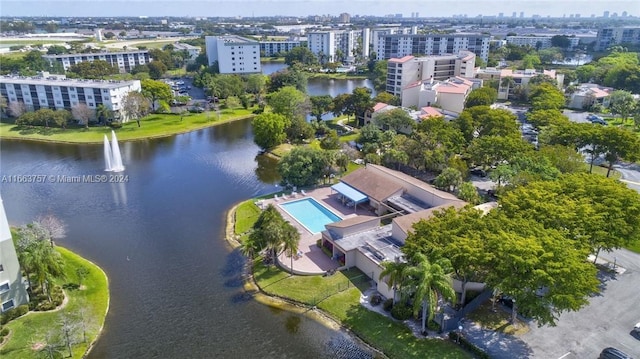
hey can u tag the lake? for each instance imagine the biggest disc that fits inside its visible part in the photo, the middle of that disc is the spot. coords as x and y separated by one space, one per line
176 286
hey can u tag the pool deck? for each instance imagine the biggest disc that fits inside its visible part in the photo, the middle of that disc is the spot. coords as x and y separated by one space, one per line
313 260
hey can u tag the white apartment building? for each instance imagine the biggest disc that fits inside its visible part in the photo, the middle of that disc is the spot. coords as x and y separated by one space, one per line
13 290
193 51
539 42
234 54
377 33
125 61
58 92
397 46
327 45
269 48
520 78
609 36
408 70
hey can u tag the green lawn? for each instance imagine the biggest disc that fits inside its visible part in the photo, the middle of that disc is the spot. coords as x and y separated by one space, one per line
32 42
156 125
153 44
32 328
337 76
391 337
247 214
12 55
603 171
634 246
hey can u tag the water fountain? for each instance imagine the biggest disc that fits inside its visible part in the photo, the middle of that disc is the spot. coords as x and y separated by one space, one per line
107 155
112 156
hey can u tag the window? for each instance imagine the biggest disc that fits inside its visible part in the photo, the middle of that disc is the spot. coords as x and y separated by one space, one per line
1 268
7 305
4 287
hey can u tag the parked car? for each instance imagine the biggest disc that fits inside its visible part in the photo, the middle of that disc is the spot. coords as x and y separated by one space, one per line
613 353
636 328
599 121
478 172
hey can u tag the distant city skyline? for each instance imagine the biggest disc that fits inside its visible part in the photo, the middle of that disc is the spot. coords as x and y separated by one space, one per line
249 8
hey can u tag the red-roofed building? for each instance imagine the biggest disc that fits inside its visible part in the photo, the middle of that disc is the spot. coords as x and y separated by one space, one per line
588 95
449 95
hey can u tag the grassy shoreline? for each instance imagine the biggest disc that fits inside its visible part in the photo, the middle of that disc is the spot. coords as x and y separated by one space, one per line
275 287
152 126
31 329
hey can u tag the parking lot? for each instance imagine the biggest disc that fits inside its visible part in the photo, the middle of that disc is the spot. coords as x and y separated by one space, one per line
606 322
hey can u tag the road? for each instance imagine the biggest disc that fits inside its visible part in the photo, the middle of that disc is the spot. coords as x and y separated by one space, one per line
630 174
606 322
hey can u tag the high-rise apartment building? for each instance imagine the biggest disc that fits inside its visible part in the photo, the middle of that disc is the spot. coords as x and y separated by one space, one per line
401 72
334 45
269 48
609 36
401 45
234 54
124 61
58 92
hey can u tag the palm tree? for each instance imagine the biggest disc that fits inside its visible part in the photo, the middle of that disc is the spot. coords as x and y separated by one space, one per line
38 257
394 274
290 241
507 82
47 264
429 280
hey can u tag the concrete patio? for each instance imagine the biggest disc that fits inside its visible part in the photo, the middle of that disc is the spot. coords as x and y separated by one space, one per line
311 259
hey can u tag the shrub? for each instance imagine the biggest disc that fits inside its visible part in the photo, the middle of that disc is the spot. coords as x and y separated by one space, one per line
13 313
71 286
375 300
432 325
463 342
115 124
401 311
319 243
388 304
4 332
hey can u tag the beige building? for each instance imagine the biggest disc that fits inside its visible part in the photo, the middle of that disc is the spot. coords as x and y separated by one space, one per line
408 70
449 95
361 241
588 95
520 78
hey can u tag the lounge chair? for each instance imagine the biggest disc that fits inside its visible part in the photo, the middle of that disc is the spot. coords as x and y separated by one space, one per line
276 198
294 194
284 196
303 192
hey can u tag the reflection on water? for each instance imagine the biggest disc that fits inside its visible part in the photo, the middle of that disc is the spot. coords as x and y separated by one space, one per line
293 323
175 286
266 169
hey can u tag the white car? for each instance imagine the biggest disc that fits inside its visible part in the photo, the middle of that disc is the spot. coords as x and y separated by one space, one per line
636 328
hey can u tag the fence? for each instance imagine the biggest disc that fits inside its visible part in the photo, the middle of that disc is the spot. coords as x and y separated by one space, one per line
357 281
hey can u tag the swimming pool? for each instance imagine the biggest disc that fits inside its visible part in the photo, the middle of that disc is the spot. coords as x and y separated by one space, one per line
311 214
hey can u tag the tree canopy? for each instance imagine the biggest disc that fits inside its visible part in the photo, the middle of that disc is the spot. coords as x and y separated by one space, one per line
304 166
269 129
483 96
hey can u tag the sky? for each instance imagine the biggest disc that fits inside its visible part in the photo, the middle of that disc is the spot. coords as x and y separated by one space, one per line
248 8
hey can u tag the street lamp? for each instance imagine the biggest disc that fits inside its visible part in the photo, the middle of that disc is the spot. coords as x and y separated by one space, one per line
459 332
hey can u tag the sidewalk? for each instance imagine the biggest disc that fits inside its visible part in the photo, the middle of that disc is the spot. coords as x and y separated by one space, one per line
612 266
